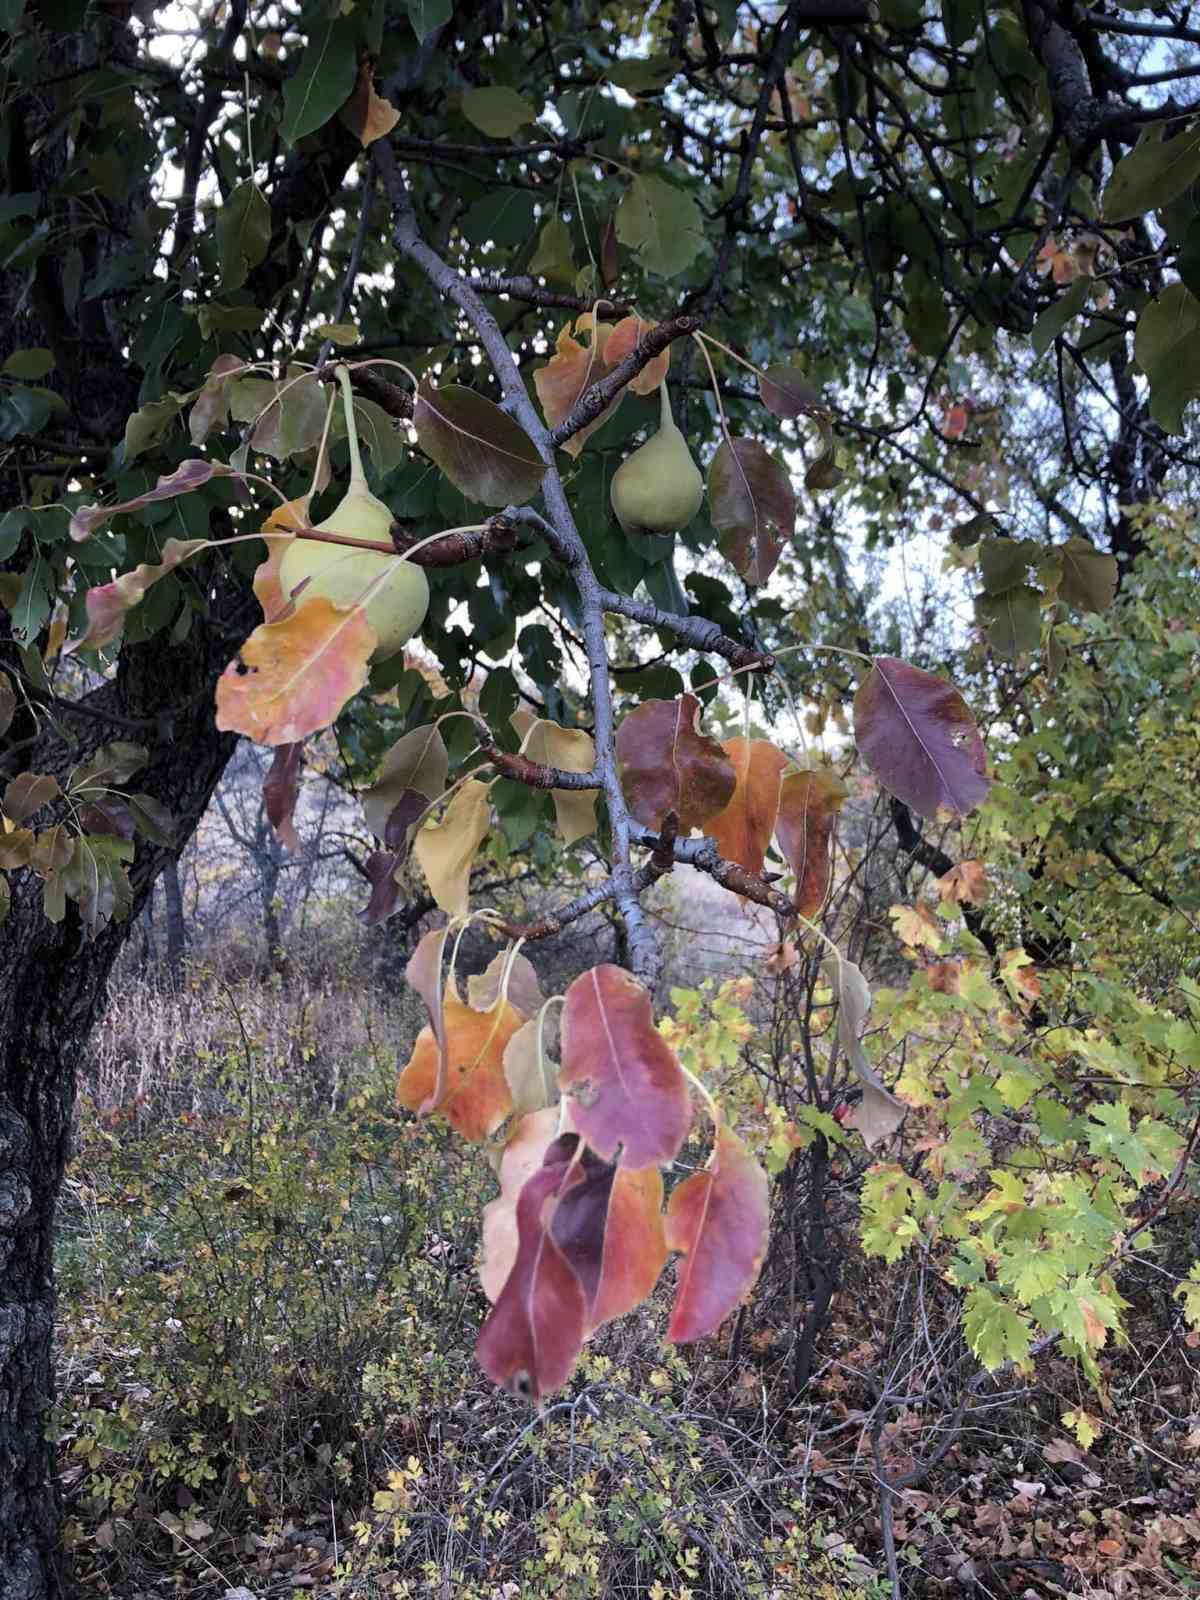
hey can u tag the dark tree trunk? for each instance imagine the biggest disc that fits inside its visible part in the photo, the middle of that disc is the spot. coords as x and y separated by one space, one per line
176 929
53 987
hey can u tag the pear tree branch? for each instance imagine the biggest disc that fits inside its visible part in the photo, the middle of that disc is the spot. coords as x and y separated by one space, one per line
594 399
564 539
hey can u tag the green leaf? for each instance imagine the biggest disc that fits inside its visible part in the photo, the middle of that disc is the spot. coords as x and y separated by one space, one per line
1002 562
662 224
29 365
1089 576
228 319
324 80
483 452
503 218
148 424
1012 620
497 110
1031 1273
427 16
642 74
1167 347
243 233
553 257
1148 1150
1155 172
995 1330
1056 317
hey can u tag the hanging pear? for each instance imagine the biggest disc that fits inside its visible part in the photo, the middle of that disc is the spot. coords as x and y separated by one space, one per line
343 574
658 489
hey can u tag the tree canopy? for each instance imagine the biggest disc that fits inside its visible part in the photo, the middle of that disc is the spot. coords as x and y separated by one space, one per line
532 394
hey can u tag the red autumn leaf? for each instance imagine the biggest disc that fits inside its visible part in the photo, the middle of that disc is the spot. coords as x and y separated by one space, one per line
808 806
918 737
752 506
788 393
608 1224
292 678
108 604
955 424
573 368
471 1091
623 341
718 1218
626 1088
743 830
534 1332
281 787
669 765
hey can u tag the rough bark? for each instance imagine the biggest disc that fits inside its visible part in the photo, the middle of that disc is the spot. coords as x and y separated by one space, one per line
54 985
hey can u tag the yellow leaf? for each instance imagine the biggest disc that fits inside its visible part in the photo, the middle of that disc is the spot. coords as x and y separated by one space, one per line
917 926
571 750
446 850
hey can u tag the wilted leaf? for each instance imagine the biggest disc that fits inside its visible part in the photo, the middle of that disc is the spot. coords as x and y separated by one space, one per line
967 882
367 114
281 786
523 1154
669 765
108 605
571 750
292 678
879 1113
752 506
623 341
211 407
788 393
522 988
473 1093
418 763
625 1086
497 110
27 793
918 737
529 1072
445 850
482 451
535 1331
743 830
572 369
187 476
662 224
808 806
719 1219
917 927
424 974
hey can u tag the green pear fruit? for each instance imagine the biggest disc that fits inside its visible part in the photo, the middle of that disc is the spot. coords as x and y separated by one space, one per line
658 489
343 574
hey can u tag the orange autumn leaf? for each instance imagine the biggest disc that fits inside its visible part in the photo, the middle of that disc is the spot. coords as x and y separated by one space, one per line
476 1098
292 678
573 368
718 1219
367 115
743 830
635 1244
622 342
267 588
965 882
808 806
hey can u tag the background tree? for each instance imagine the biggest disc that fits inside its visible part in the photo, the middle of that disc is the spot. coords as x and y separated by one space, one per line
956 245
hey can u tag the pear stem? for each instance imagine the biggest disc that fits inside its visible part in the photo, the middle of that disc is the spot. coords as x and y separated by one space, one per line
358 478
666 416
